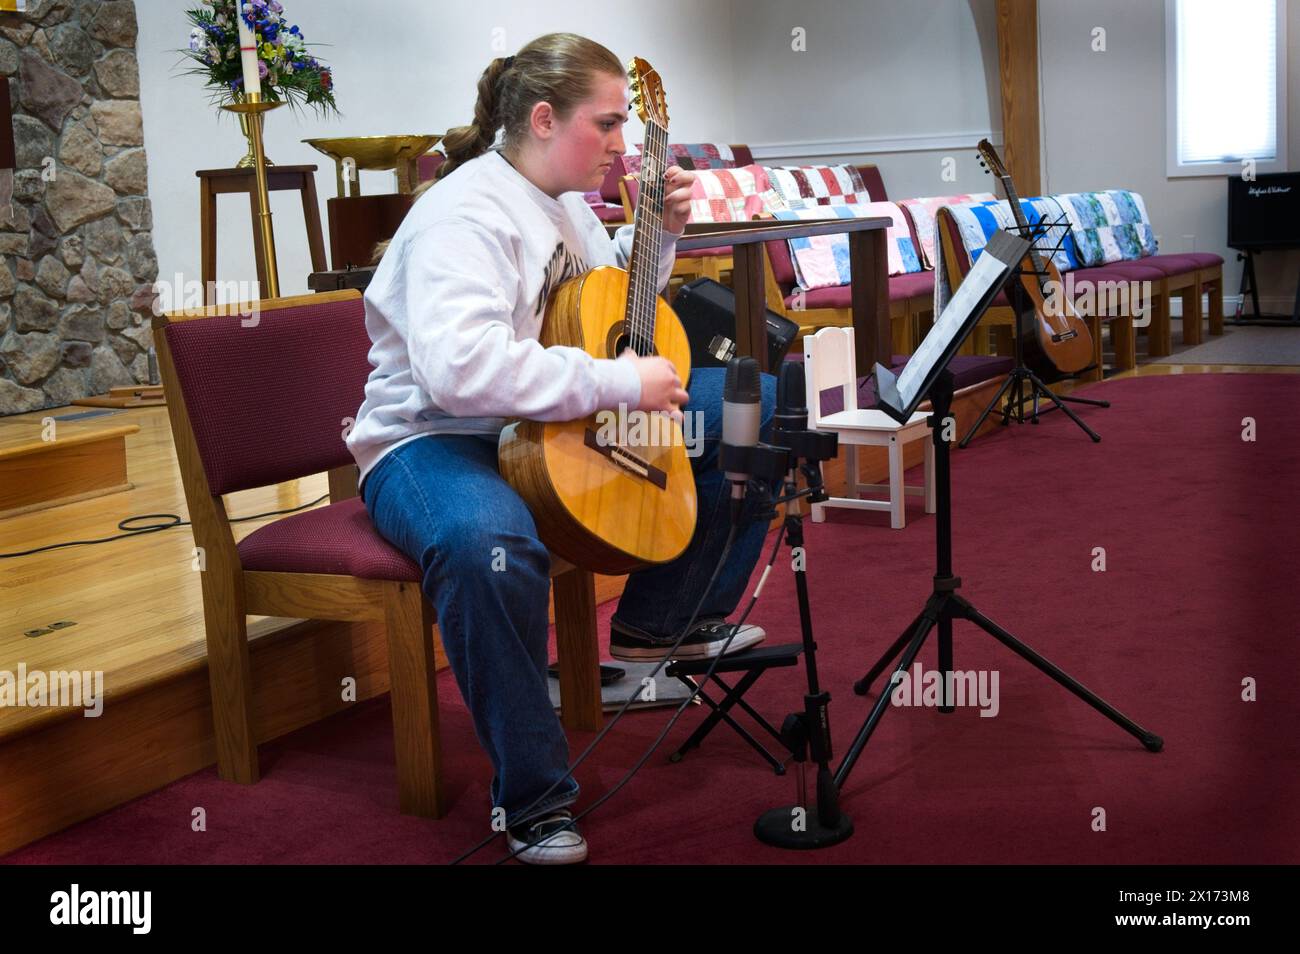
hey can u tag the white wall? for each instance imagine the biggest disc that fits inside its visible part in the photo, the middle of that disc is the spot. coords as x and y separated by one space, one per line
1104 128
902 84
411 70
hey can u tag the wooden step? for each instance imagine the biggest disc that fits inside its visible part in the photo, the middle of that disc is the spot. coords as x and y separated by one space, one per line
47 463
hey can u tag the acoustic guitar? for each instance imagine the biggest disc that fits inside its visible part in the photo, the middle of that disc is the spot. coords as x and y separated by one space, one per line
604 497
1056 333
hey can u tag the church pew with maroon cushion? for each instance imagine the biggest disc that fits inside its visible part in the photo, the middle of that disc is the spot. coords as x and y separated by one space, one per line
910 296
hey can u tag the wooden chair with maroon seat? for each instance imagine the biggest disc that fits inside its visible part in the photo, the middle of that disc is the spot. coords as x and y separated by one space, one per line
259 400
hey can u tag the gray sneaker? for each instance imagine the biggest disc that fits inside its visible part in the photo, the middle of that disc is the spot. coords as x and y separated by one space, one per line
705 640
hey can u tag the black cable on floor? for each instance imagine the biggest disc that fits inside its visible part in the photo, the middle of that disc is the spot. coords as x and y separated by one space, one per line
176 521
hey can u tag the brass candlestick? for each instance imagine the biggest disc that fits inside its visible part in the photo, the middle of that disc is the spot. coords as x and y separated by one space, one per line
249 159
253 107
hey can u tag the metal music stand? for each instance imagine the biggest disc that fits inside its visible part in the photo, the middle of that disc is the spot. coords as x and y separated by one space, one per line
927 373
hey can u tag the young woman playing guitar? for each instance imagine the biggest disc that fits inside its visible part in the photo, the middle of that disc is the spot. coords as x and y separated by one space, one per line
454 312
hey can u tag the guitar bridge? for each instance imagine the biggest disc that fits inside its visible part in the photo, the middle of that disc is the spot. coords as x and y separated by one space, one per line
630 462
1065 336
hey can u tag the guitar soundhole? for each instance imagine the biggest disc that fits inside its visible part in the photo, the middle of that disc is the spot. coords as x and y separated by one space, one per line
618 340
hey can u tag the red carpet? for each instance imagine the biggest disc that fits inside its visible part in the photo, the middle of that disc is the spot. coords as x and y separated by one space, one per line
1199 593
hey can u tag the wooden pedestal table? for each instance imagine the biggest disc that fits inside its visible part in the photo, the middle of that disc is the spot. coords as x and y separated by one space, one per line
215 182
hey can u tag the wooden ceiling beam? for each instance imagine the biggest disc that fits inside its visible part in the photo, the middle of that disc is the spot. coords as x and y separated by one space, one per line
1018 75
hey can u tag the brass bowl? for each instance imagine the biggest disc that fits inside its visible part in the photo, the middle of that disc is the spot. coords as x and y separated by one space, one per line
377 153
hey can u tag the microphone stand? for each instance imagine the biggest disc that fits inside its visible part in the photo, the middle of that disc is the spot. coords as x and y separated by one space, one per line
806 733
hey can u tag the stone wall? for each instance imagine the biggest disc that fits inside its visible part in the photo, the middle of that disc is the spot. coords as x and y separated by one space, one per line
77 260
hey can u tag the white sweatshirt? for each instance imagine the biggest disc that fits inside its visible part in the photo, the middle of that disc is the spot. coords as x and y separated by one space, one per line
457 302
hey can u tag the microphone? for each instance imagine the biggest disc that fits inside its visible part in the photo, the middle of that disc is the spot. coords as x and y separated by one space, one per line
790 430
741 419
791 414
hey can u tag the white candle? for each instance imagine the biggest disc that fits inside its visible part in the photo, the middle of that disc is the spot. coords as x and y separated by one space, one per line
248 54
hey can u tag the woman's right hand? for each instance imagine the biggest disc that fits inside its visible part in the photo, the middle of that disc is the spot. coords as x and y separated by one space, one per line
661 388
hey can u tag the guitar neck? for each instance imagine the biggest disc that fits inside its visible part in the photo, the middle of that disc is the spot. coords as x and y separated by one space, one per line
1019 213
647 240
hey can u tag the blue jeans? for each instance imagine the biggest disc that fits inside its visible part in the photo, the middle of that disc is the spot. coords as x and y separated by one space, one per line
441 501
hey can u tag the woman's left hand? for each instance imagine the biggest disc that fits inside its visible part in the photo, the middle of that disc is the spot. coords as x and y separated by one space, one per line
677 198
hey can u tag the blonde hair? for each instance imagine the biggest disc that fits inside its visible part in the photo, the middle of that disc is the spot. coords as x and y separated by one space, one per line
558 68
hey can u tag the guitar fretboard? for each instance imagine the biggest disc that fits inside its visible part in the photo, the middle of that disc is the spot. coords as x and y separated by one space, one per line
647 239
1019 213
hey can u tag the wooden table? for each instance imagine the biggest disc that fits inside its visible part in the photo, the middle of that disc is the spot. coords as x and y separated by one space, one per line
215 182
869 274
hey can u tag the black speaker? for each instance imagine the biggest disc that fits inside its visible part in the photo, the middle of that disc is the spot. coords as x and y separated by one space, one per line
708 312
1265 212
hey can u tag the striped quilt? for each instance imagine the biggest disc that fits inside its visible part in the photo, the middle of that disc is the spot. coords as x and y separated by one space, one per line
1109 226
823 261
802 186
977 221
923 213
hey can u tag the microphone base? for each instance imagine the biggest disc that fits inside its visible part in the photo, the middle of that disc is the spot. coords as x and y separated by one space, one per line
777 828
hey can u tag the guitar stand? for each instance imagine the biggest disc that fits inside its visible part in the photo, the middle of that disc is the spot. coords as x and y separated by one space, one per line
945 605
1019 381
1024 384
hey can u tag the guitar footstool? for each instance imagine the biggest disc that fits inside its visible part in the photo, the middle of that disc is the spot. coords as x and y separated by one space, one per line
753 663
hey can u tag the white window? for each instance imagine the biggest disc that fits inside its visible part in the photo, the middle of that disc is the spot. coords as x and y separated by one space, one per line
1225 69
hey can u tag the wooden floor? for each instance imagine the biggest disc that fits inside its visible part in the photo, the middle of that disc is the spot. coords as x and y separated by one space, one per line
136 602
136 610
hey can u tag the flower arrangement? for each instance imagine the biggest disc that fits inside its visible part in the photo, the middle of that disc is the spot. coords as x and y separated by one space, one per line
289 73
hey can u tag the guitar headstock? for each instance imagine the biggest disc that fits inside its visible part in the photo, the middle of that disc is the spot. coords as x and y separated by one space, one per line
648 97
990 160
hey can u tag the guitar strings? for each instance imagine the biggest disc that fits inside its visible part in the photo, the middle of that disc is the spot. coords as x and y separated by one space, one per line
642 238
646 241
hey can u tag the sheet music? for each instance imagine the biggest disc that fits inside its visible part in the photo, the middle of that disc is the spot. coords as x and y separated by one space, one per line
984 272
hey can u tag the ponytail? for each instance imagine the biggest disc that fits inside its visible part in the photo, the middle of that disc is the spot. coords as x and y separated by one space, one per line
469 142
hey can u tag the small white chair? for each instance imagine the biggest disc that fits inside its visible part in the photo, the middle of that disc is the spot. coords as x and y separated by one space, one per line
829 362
